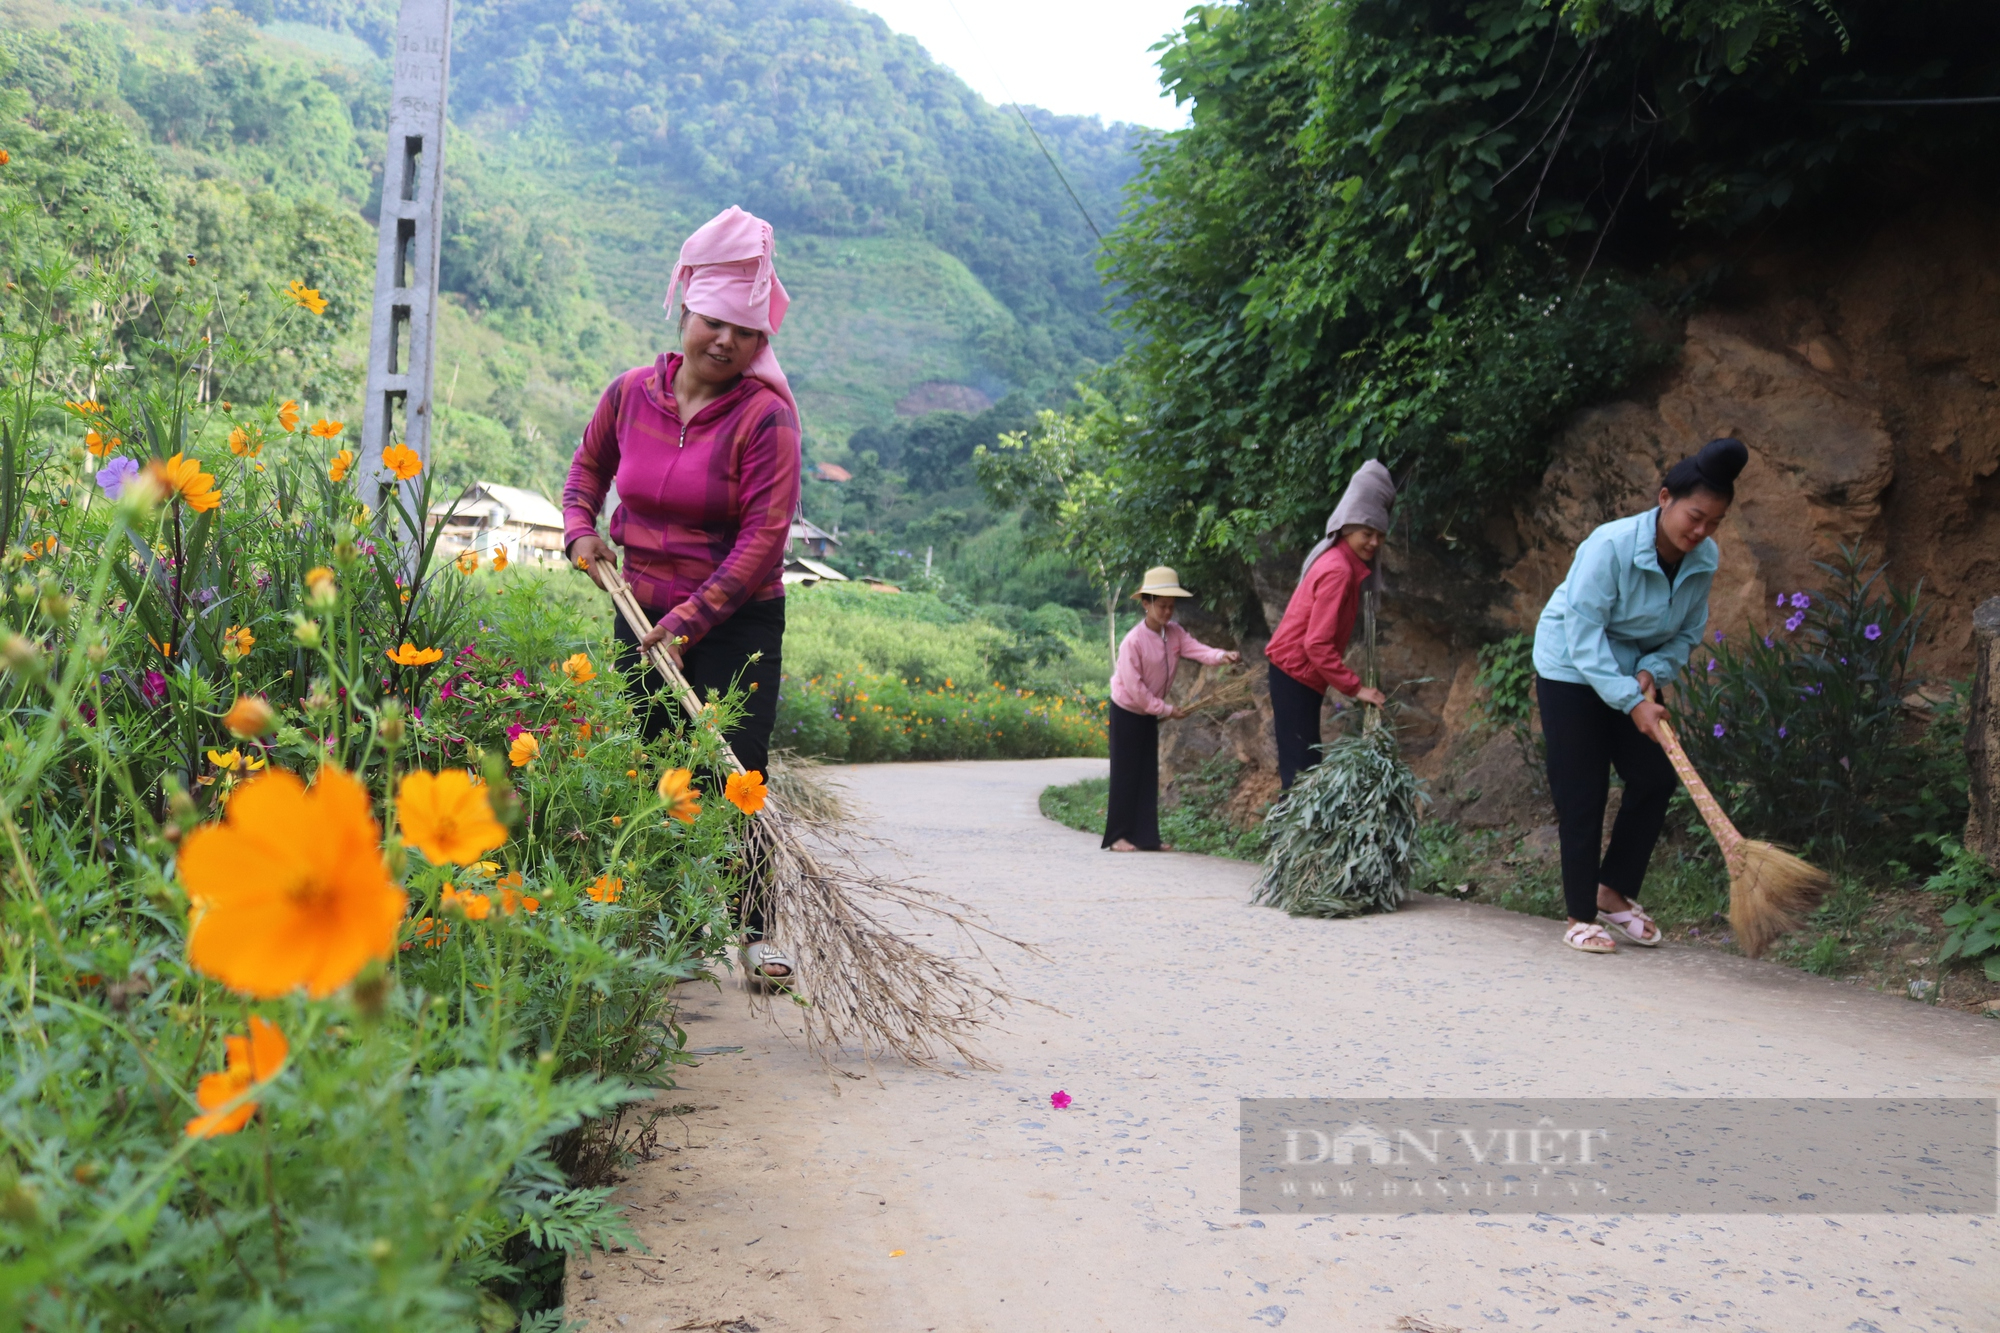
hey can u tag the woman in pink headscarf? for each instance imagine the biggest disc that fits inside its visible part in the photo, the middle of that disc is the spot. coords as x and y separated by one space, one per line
703 446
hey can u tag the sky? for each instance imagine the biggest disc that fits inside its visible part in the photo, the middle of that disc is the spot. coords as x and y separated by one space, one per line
1079 57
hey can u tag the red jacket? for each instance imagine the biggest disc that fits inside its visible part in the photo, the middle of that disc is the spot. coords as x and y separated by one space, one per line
1319 622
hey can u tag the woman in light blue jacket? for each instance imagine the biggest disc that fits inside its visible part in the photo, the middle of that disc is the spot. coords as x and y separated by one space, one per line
1619 626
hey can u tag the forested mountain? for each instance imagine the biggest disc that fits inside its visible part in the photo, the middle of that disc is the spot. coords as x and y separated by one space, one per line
931 250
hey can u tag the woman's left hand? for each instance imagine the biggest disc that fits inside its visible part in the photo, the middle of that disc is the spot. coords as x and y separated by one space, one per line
659 632
1232 657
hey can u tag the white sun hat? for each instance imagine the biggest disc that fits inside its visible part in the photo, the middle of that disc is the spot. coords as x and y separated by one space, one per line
1161 582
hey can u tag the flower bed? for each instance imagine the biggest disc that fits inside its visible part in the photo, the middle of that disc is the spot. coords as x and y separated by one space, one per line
342 898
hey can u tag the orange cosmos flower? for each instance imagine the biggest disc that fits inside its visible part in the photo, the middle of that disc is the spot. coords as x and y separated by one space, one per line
606 890
237 643
183 477
100 445
249 717
525 750
682 797
288 416
402 460
289 889
337 467
431 933
499 558
326 429
513 881
252 1061
578 668
468 563
448 817
89 407
411 655
306 298
476 906
512 901
746 791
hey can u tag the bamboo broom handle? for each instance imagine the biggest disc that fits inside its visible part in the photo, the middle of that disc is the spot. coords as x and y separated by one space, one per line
1718 823
628 606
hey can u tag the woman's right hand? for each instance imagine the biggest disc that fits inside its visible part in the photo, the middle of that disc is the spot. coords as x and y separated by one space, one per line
1368 694
587 551
1647 718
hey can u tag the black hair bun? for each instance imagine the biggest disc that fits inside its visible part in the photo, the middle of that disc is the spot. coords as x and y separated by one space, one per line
1722 461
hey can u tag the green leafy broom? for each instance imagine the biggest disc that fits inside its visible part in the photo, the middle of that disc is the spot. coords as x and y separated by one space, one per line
1342 841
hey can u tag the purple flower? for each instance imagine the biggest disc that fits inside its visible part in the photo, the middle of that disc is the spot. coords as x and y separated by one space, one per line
1718 636
1711 664
520 678
1797 619
1720 730
1801 601
153 688
1768 643
115 474
1843 661
1872 633
1781 599
445 691
1781 733
514 732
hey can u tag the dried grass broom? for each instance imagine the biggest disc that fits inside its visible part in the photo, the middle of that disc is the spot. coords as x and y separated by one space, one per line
1343 840
861 983
1770 890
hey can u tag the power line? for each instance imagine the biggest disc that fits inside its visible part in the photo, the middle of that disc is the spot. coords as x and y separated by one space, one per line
1088 221
1913 101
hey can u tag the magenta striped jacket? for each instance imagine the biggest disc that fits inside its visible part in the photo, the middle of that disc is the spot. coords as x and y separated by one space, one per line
704 512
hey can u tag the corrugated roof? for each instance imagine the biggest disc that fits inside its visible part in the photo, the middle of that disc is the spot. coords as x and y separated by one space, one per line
529 508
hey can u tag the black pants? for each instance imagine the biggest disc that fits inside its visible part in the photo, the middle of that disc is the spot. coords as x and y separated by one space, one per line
1295 715
720 661
1587 738
1133 810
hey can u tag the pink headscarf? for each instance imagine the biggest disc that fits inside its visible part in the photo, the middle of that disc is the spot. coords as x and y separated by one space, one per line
727 272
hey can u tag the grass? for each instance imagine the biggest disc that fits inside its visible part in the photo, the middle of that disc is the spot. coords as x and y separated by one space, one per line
1191 826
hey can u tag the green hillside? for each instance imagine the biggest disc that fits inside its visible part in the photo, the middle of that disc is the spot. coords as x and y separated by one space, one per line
923 236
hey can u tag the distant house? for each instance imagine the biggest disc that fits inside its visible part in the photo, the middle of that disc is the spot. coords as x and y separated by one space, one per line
488 516
818 541
831 472
806 572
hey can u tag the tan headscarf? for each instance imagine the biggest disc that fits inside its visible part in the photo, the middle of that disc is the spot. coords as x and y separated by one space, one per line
1367 500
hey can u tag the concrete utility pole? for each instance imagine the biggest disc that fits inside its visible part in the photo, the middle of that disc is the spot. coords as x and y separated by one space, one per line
402 337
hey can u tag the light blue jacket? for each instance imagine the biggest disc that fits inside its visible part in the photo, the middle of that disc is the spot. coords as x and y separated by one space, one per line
1617 615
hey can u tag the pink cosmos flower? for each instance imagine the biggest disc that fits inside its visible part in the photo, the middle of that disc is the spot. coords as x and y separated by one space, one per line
1060 1100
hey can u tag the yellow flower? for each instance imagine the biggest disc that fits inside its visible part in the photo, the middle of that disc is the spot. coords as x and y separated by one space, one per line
288 416
249 717
306 298
746 791
682 797
499 558
486 868
326 429
578 668
525 750
320 587
289 889
606 890
183 477
251 1062
237 643
402 460
243 444
226 760
411 655
447 817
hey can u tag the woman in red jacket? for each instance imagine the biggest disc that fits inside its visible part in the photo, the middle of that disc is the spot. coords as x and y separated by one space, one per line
1307 654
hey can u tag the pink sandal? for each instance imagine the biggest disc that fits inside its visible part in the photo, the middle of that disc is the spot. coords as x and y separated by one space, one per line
1635 926
1588 937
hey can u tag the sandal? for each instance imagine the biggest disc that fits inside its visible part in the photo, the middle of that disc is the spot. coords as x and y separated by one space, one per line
1635 926
1588 937
758 960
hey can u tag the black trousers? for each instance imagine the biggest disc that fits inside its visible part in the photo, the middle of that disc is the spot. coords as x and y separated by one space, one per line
1295 714
1587 738
1133 810
720 661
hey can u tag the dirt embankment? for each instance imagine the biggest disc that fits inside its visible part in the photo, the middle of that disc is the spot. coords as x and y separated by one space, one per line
1863 372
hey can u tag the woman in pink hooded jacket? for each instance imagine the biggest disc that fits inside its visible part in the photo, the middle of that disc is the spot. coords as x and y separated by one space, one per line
703 447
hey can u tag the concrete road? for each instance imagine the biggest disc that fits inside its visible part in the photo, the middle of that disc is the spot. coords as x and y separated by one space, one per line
918 1201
